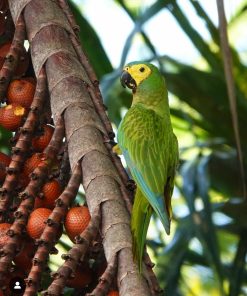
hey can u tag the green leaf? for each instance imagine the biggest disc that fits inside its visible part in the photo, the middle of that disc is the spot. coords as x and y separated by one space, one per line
134 17
236 209
173 256
223 165
240 12
188 173
206 93
207 228
4 138
147 15
212 59
210 25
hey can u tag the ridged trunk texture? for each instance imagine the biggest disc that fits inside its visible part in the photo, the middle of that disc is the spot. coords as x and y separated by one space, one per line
72 90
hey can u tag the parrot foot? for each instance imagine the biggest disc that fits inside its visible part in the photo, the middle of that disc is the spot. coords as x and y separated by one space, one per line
116 149
131 185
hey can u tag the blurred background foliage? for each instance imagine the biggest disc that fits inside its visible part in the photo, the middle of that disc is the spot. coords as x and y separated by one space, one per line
206 251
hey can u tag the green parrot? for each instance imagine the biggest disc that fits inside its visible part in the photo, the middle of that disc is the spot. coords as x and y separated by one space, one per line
150 148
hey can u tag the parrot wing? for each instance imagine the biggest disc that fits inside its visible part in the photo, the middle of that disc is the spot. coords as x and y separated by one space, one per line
156 200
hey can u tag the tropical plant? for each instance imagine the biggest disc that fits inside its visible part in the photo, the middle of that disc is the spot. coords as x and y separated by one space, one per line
206 251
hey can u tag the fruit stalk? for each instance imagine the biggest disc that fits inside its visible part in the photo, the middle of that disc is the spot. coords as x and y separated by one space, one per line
106 279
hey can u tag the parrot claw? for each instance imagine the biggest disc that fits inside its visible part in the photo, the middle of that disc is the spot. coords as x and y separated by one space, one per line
116 149
131 185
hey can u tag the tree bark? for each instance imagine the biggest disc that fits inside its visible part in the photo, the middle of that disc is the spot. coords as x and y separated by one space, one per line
70 87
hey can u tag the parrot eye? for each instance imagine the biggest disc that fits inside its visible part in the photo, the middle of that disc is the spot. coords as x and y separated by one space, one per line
142 69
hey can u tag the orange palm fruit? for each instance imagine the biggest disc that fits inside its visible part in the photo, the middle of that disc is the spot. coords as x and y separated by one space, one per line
21 92
4 162
82 277
76 221
36 222
39 143
51 191
4 227
24 258
32 162
11 116
113 293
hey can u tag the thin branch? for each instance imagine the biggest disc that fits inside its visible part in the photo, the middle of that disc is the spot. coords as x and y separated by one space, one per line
106 279
150 275
66 9
228 66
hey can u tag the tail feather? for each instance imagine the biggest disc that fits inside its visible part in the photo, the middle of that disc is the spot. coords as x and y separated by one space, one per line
140 219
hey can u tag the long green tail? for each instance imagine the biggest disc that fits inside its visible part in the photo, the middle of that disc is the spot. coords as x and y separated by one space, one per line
140 219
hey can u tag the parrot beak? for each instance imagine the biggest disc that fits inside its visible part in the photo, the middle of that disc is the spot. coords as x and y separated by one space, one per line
127 80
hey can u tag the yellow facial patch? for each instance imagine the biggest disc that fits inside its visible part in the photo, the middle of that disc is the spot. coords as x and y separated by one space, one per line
138 72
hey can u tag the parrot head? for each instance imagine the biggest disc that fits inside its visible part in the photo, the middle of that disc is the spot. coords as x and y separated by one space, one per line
147 85
138 75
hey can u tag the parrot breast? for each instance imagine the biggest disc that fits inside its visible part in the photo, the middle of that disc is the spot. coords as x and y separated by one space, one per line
145 136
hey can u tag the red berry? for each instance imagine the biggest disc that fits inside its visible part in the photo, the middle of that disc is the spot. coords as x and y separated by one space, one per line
82 277
4 227
76 221
41 142
32 162
113 293
4 162
51 191
21 92
36 222
11 116
24 258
